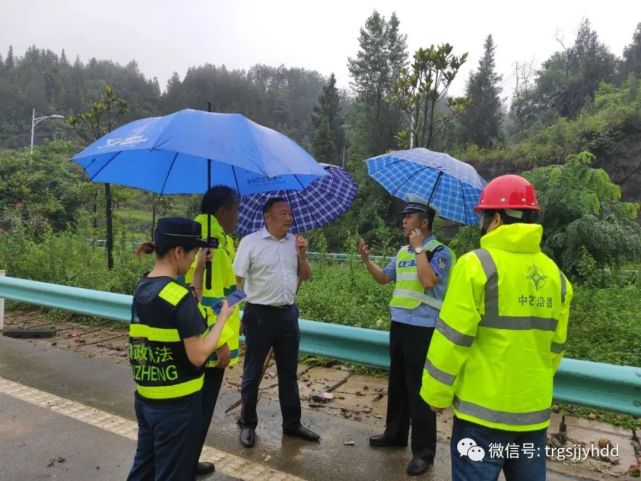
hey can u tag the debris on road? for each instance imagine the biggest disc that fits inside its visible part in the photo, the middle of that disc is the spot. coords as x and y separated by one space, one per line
53 461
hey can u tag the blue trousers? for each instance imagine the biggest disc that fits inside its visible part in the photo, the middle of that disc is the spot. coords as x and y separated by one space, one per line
480 453
168 435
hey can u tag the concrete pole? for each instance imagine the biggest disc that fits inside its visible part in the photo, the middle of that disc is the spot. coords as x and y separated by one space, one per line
2 273
33 128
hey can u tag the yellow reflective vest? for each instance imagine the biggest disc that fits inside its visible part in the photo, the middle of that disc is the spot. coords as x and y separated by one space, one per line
409 293
501 333
223 283
157 356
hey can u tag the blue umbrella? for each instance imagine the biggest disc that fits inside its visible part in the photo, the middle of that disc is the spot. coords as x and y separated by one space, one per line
190 150
452 187
320 203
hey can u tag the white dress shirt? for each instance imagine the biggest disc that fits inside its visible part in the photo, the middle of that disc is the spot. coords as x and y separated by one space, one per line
269 267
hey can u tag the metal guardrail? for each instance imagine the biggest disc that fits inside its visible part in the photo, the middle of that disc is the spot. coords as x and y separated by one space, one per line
593 384
343 257
315 256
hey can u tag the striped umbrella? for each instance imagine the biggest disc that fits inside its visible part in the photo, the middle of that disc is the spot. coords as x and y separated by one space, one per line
315 206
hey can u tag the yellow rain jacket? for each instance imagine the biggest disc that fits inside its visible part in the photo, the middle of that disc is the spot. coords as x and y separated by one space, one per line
501 333
223 283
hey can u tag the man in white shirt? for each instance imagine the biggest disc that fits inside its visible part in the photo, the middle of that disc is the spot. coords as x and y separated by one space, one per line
271 263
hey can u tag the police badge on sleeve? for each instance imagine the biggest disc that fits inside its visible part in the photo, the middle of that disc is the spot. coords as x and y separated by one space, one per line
441 262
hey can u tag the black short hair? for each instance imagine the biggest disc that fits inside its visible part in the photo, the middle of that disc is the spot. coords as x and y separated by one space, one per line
218 197
523 216
429 215
272 201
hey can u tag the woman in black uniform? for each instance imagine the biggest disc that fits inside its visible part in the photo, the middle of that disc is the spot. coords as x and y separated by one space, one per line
168 345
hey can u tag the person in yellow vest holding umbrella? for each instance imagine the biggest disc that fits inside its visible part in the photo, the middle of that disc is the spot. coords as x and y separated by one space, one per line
221 204
168 345
499 340
420 271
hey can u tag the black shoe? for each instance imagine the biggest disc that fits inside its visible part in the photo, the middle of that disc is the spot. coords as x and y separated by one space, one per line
204 468
303 433
247 437
418 466
380 441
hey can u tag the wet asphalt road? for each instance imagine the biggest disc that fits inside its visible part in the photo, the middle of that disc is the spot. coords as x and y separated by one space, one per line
38 444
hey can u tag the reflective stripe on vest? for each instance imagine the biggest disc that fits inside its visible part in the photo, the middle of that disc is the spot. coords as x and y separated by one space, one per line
407 276
491 318
417 296
155 334
503 417
454 336
436 373
172 391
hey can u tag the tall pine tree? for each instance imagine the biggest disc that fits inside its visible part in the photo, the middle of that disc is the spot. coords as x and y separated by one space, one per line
482 118
631 64
329 138
381 56
10 62
570 77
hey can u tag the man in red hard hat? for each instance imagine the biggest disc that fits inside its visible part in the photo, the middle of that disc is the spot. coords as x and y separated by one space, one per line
499 340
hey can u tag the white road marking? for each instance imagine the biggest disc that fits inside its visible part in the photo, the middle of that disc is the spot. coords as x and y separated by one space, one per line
226 463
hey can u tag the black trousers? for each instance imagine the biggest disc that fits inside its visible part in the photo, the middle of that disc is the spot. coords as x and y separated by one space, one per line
408 352
271 327
211 389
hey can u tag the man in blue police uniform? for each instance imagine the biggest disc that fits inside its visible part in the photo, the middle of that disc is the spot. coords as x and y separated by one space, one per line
420 271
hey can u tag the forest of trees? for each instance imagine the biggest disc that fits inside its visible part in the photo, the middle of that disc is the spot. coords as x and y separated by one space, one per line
583 98
279 97
392 91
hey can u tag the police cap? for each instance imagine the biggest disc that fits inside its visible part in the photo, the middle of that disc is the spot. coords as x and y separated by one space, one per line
417 206
178 231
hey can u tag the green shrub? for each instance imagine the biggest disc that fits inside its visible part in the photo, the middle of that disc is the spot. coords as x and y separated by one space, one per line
605 325
69 259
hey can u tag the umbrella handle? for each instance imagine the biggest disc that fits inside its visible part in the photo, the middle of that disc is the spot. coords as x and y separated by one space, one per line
208 263
438 179
293 216
208 275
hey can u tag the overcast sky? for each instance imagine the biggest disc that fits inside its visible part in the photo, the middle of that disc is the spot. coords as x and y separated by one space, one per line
164 36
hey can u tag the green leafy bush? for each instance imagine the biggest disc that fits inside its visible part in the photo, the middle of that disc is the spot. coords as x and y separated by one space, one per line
69 259
584 218
605 325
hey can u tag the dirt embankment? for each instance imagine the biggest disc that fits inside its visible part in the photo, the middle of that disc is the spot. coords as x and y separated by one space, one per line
622 162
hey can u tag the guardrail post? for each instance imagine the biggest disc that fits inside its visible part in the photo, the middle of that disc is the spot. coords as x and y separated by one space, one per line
2 274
